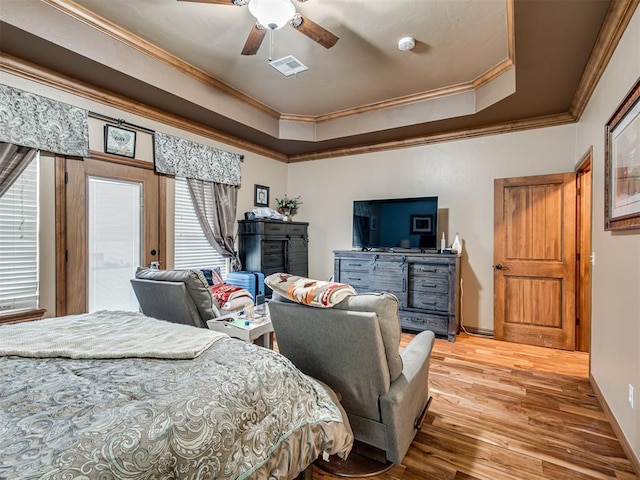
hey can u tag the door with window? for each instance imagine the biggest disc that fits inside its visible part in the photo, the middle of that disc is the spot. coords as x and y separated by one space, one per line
113 223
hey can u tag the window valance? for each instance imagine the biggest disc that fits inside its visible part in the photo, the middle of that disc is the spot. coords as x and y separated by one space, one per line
31 120
182 158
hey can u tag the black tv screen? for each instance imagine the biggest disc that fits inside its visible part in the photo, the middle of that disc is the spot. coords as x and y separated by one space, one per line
396 223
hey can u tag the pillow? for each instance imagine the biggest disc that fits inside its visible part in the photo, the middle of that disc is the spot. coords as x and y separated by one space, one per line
315 293
213 276
238 303
225 292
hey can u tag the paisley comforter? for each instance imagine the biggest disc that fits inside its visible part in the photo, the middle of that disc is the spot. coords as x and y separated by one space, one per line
235 411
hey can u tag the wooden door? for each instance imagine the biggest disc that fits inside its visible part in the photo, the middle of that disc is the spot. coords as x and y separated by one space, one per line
534 260
79 173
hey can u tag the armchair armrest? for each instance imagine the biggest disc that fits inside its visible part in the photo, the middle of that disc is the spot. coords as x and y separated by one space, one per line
408 396
417 353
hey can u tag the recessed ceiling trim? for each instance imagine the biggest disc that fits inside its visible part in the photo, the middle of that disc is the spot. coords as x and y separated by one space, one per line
505 127
114 31
615 23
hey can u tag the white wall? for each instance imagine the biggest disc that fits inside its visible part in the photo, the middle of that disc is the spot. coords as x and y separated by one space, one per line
460 173
615 342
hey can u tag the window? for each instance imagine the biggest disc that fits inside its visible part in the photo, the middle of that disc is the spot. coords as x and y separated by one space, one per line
19 242
191 248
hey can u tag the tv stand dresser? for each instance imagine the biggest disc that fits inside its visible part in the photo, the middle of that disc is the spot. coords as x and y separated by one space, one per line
427 285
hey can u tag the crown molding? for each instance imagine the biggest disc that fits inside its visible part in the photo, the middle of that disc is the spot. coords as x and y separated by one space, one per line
496 129
111 29
614 25
118 33
617 19
30 71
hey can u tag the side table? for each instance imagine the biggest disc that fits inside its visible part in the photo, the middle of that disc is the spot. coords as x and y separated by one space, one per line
258 330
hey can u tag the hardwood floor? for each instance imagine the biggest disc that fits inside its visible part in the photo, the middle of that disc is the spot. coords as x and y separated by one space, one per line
507 411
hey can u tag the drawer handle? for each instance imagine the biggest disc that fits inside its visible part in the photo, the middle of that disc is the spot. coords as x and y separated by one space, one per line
355 264
429 270
429 285
357 279
429 303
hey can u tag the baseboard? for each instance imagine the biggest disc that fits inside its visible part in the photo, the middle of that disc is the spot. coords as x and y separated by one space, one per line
635 462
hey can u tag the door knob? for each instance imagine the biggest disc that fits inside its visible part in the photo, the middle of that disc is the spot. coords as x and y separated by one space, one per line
153 252
498 267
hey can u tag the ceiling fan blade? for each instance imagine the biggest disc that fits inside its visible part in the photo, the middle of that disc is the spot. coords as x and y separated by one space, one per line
314 31
215 2
254 40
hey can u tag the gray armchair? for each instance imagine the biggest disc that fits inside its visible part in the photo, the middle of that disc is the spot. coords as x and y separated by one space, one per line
354 348
180 296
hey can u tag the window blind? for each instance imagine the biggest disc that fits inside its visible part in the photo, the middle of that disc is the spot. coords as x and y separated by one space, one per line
19 242
191 248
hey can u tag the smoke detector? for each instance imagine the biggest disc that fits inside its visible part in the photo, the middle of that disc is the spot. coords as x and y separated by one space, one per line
406 43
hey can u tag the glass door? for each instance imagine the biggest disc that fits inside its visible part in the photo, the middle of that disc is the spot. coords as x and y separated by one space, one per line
114 242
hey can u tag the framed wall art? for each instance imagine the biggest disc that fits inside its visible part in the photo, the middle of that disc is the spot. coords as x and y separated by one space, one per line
261 196
421 224
622 164
119 141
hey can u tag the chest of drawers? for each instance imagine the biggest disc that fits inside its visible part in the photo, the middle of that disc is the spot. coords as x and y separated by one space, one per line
427 285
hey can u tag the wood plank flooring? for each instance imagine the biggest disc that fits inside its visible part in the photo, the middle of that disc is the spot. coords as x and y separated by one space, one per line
504 411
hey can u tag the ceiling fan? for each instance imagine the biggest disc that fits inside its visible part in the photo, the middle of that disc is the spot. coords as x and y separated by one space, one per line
273 15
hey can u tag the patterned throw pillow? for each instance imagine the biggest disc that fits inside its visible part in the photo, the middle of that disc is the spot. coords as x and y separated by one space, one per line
315 293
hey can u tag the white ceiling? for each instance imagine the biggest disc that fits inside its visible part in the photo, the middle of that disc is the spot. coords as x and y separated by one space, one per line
457 41
479 66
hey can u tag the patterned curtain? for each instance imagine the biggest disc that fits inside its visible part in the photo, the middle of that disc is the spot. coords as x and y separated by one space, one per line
182 158
13 160
30 120
216 211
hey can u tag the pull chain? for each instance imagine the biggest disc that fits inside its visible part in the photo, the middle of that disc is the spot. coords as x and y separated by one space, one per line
270 45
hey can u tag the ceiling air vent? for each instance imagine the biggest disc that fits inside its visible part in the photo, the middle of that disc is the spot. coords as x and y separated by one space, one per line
288 65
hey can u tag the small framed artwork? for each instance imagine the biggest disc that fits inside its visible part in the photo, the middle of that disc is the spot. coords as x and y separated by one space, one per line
119 141
261 196
421 224
622 165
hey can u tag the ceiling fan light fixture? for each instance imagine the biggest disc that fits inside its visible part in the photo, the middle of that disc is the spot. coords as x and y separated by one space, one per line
272 14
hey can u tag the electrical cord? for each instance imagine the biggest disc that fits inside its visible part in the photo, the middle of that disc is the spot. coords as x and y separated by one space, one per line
462 315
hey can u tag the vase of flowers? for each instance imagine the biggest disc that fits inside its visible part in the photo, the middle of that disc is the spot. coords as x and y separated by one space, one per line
288 206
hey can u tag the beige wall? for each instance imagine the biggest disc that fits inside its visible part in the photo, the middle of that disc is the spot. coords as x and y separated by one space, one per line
615 344
256 169
460 173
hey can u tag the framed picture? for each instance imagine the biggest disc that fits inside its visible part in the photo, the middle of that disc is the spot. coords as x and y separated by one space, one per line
119 141
261 196
421 224
622 165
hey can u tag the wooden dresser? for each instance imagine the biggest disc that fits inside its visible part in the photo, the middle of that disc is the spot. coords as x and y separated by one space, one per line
426 284
272 246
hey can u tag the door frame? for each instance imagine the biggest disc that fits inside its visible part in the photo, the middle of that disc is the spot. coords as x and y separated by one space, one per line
61 218
584 215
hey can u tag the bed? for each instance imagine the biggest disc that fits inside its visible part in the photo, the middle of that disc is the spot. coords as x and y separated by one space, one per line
117 395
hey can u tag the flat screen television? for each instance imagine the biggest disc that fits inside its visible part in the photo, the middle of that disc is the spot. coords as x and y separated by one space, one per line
396 223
